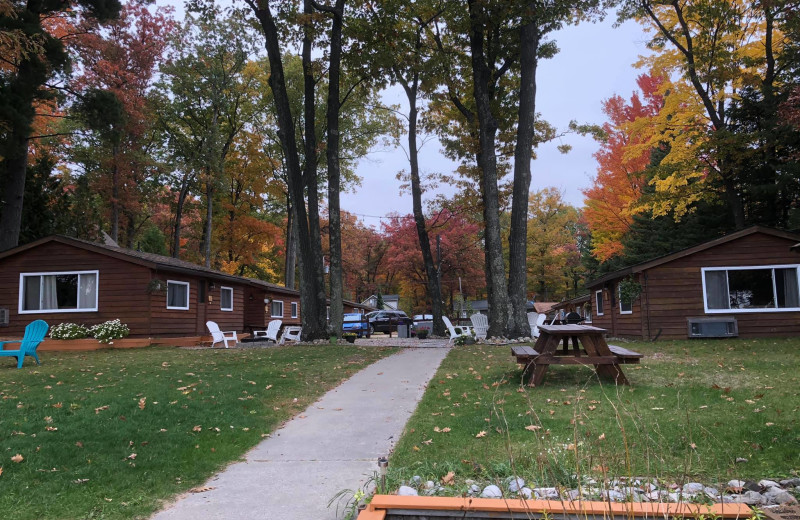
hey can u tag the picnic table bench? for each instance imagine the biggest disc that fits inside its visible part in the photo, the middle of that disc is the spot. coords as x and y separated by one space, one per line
582 345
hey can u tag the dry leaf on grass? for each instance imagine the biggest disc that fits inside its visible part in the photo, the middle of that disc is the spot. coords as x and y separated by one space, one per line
197 428
100 409
51 429
201 489
1 471
602 437
480 434
142 403
17 458
428 442
80 481
533 427
449 479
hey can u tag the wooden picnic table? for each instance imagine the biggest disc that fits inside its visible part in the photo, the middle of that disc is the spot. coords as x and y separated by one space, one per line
580 345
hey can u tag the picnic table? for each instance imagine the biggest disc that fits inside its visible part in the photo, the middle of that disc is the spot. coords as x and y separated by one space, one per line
580 345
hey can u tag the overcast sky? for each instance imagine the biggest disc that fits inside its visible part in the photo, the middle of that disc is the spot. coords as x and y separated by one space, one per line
595 62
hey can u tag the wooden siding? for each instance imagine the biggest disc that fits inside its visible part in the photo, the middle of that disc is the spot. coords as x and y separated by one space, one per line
122 288
673 292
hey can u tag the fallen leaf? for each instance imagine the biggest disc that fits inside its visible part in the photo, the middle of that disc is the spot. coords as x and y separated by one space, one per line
132 456
48 419
100 409
197 428
592 407
267 387
693 446
51 429
449 479
57 405
480 434
428 442
79 444
1 471
142 403
201 489
533 427
80 481
17 458
416 448
602 437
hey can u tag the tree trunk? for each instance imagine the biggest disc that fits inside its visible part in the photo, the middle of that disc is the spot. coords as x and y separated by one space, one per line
115 195
487 161
311 304
16 166
208 223
433 284
518 236
334 172
176 235
291 246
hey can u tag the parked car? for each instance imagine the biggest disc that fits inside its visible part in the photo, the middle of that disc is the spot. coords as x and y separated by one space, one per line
358 323
388 320
423 317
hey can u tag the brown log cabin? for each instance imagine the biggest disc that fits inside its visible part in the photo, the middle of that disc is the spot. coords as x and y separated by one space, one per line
744 283
62 279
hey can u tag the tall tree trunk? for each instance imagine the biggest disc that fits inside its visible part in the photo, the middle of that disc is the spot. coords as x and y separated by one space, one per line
176 232
433 284
208 223
518 236
310 276
291 245
115 194
487 161
334 172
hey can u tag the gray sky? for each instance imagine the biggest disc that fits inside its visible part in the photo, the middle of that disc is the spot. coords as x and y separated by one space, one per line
595 62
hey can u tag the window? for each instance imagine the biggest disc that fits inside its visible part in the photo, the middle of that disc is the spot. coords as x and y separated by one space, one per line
625 306
226 298
177 295
771 288
587 313
74 291
276 309
294 309
598 298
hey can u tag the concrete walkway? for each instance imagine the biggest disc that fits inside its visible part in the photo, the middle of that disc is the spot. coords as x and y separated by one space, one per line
294 473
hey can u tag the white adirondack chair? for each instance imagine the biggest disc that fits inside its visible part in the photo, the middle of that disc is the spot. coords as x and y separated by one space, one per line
455 331
534 320
291 333
217 336
271 334
480 324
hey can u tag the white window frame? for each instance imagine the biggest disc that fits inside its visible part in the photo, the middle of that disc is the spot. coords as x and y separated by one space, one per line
294 307
21 301
221 289
748 268
598 304
188 295
271 314
619 297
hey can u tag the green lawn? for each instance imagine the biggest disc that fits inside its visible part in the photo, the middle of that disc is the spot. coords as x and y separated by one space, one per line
693 407
111 433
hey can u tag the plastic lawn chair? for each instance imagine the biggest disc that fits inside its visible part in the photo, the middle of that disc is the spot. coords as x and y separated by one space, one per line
34 334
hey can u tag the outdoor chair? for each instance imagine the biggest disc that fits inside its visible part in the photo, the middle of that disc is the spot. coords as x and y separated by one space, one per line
271 334
291 333
480 324
534 320
34 334
217 336
455 331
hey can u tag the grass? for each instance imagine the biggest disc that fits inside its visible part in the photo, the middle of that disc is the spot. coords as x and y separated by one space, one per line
110 434
692 409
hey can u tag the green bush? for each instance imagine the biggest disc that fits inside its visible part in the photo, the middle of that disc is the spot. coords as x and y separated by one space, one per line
69 331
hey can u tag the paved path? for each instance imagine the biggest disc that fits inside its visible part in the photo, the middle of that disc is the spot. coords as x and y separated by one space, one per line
293 474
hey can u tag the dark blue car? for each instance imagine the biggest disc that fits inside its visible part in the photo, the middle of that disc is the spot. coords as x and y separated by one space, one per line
358 323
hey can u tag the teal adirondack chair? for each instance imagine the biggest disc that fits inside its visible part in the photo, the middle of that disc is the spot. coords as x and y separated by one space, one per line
34 334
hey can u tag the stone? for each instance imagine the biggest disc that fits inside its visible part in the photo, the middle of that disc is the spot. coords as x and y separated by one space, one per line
430 484
416 479
573 494
736 483
711 492
406 491
546 492
673 497
653 495
751 498
752 486
779 496
693 487
791 482
768 484
474 489
526 493
514 484
614 496
491 491
430 492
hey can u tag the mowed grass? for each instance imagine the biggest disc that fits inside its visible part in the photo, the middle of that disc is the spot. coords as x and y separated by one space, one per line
692 409
110 434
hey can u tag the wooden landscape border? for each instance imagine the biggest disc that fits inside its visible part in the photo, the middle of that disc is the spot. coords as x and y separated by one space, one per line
87 344
484 507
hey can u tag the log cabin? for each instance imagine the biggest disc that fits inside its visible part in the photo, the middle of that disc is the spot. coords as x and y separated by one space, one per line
742 284
62 279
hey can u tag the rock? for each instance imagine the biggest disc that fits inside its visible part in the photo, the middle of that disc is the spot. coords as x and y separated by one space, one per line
673 497
693 487
573 494
406 491
474 489
416 479
546 492
630 490
752 486
491 491
514 484
711 492
614 496
779 496
768 484
526 493
751 498
430 484
736 483
430 492
653 495
740 460
791 482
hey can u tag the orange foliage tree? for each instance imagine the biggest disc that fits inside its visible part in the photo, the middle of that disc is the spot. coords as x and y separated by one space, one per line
611 201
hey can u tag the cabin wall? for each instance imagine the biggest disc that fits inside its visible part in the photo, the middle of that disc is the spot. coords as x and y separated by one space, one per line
121 285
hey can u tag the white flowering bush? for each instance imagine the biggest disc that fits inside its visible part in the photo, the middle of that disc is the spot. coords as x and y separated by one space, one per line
69 331
109 331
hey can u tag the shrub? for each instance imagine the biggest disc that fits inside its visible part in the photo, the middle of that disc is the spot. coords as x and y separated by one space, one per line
422 333
109 331
69 331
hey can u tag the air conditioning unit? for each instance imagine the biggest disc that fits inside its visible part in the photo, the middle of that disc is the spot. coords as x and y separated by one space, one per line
711 327
3 317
